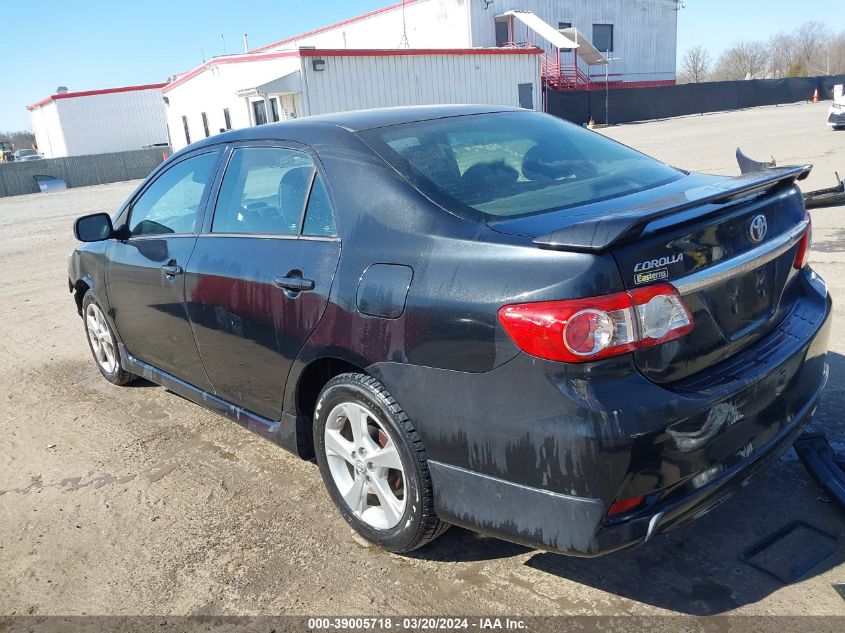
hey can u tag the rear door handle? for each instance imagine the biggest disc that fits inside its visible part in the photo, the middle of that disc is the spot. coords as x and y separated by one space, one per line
296 284
172 270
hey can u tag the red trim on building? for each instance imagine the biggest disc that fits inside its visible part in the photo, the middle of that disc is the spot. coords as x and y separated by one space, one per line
323 29
90 93
400 52
346 52
231 59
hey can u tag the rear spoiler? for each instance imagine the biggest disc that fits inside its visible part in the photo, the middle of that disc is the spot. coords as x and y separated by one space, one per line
599 233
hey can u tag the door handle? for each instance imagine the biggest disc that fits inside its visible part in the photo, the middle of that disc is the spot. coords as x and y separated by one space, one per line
172 270
295 284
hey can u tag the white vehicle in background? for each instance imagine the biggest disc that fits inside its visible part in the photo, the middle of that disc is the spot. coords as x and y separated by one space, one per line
27 154
836 114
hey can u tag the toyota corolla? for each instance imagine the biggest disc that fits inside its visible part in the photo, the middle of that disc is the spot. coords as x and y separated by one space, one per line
478 316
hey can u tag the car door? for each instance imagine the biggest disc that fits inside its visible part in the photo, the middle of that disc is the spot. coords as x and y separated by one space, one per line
259 278
146 282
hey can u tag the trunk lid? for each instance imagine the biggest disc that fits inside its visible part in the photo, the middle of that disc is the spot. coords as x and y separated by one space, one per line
727 244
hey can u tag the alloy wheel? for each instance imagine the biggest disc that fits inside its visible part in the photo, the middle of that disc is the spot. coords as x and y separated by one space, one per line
102 342
365 465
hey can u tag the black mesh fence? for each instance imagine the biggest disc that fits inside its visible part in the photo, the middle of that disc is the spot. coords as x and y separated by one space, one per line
625 105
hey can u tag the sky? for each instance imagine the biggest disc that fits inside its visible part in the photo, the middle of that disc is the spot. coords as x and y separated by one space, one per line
91 44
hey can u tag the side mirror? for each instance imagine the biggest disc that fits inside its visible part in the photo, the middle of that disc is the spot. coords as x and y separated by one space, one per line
93 228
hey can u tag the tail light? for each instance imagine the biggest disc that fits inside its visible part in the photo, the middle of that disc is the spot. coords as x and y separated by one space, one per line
802 255
582 330
624 505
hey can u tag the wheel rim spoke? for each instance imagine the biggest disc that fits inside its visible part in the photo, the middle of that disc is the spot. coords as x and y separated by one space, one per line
387 457
339 445
108 351
355 496
390 505
357 417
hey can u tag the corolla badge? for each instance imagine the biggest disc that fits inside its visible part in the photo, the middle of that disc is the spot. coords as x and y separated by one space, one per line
658 263
757 229
655 269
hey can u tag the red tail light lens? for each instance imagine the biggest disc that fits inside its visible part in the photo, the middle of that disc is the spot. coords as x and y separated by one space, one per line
581 330
624 505
802 255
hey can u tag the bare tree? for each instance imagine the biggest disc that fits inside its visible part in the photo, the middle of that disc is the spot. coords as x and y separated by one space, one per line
746 60
836 50
782 60
695 65
811 45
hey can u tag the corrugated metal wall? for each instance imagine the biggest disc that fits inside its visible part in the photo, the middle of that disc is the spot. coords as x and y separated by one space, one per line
645 32
426 24
112 122
358 82
80 171
48 131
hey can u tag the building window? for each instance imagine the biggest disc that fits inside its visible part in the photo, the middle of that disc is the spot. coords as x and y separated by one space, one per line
227 119
274 108
503 32
560 27
205 125
603 37
259 112
187 133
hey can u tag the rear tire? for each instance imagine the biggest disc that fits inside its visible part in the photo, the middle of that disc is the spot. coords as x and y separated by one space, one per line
374 465
103 343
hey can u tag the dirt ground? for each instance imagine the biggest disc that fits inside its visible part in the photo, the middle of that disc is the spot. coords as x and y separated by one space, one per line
134 501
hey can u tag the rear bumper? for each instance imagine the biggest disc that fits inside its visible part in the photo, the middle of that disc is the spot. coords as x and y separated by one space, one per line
575 525
535 452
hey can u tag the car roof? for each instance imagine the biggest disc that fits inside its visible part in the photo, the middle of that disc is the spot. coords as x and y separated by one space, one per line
304 128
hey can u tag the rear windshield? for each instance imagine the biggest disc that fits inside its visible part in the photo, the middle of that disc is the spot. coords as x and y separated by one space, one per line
511 164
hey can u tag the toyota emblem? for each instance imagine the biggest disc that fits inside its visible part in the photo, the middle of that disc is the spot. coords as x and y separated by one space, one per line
757 229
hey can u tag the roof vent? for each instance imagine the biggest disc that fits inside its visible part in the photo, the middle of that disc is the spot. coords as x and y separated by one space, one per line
61 90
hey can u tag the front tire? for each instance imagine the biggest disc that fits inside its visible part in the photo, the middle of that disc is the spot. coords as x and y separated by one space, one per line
374 465
102 342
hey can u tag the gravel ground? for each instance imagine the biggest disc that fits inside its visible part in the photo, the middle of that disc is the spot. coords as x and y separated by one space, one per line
135 501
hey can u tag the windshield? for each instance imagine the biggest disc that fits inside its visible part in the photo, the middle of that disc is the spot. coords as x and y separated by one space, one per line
511 164
26 152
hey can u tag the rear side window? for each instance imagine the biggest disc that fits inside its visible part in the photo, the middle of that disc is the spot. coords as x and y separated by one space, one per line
171 204
264 191
319 220
512 164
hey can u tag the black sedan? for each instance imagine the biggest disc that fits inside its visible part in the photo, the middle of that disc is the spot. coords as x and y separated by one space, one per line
471 315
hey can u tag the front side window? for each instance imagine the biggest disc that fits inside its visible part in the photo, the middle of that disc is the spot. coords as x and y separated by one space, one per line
171 204
263 191
511 164
603 37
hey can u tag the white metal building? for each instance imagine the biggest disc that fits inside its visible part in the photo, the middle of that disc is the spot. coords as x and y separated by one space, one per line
240 91
496 52
99 121
640 36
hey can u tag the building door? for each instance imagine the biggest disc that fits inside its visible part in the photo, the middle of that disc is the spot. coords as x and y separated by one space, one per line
526 96
259 278
145 272
259 112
